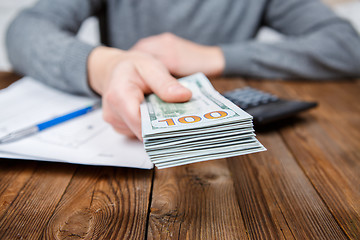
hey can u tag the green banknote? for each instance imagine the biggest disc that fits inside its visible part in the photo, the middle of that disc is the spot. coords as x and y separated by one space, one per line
206 108
205 128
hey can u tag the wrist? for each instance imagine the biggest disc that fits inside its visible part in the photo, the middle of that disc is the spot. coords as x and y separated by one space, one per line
215 61
100 65
218 61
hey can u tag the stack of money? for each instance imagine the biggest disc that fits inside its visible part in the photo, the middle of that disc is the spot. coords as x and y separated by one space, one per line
207 127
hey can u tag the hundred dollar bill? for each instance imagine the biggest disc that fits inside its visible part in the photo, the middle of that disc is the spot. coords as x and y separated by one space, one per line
208 157
205 109
207 127
190 141
199 146
204 152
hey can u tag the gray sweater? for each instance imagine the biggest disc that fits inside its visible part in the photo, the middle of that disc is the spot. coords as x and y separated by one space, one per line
41 40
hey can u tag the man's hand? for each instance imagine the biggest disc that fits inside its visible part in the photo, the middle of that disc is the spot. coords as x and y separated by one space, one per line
122 78
183 57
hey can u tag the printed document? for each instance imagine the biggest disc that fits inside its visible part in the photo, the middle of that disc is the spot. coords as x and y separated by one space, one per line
84 140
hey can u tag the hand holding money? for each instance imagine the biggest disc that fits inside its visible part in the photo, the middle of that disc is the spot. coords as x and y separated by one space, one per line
206 127
122 78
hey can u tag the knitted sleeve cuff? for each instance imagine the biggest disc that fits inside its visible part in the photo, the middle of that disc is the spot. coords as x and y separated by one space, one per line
75 68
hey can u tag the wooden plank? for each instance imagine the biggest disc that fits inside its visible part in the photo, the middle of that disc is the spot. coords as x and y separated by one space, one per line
103 203
195 201
14 174
6 78
28 213
100 202
276 198
326 144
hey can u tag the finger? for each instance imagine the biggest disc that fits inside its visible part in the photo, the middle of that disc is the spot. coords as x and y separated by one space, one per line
148 44
112 117
124 102
115 113
158 78
120 126
144 45
125 131
132 96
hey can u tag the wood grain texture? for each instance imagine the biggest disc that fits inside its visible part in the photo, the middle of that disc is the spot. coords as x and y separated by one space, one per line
326 144
29 211
276 198
197 201
7 78
306 186
103 203
14 174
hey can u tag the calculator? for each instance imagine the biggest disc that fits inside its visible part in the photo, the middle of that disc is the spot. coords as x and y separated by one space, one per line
265 107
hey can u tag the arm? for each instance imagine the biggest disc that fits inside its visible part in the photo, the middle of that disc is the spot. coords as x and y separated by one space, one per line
319 45
41 43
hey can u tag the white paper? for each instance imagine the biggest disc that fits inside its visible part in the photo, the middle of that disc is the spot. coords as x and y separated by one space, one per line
83 140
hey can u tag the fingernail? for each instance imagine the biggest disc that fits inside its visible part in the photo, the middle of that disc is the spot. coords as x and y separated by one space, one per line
176 88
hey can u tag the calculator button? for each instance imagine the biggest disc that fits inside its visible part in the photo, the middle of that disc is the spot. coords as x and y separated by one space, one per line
265 107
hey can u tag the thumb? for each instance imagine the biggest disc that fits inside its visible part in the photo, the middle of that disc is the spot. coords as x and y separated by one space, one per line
173 91
165 86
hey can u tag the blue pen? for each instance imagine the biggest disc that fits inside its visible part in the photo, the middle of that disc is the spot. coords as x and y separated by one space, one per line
42 126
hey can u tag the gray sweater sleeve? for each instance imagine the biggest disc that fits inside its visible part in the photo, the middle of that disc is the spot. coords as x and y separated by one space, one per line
50 27
318 45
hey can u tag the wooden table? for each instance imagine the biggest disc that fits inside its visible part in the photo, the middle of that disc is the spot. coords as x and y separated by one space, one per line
306 186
